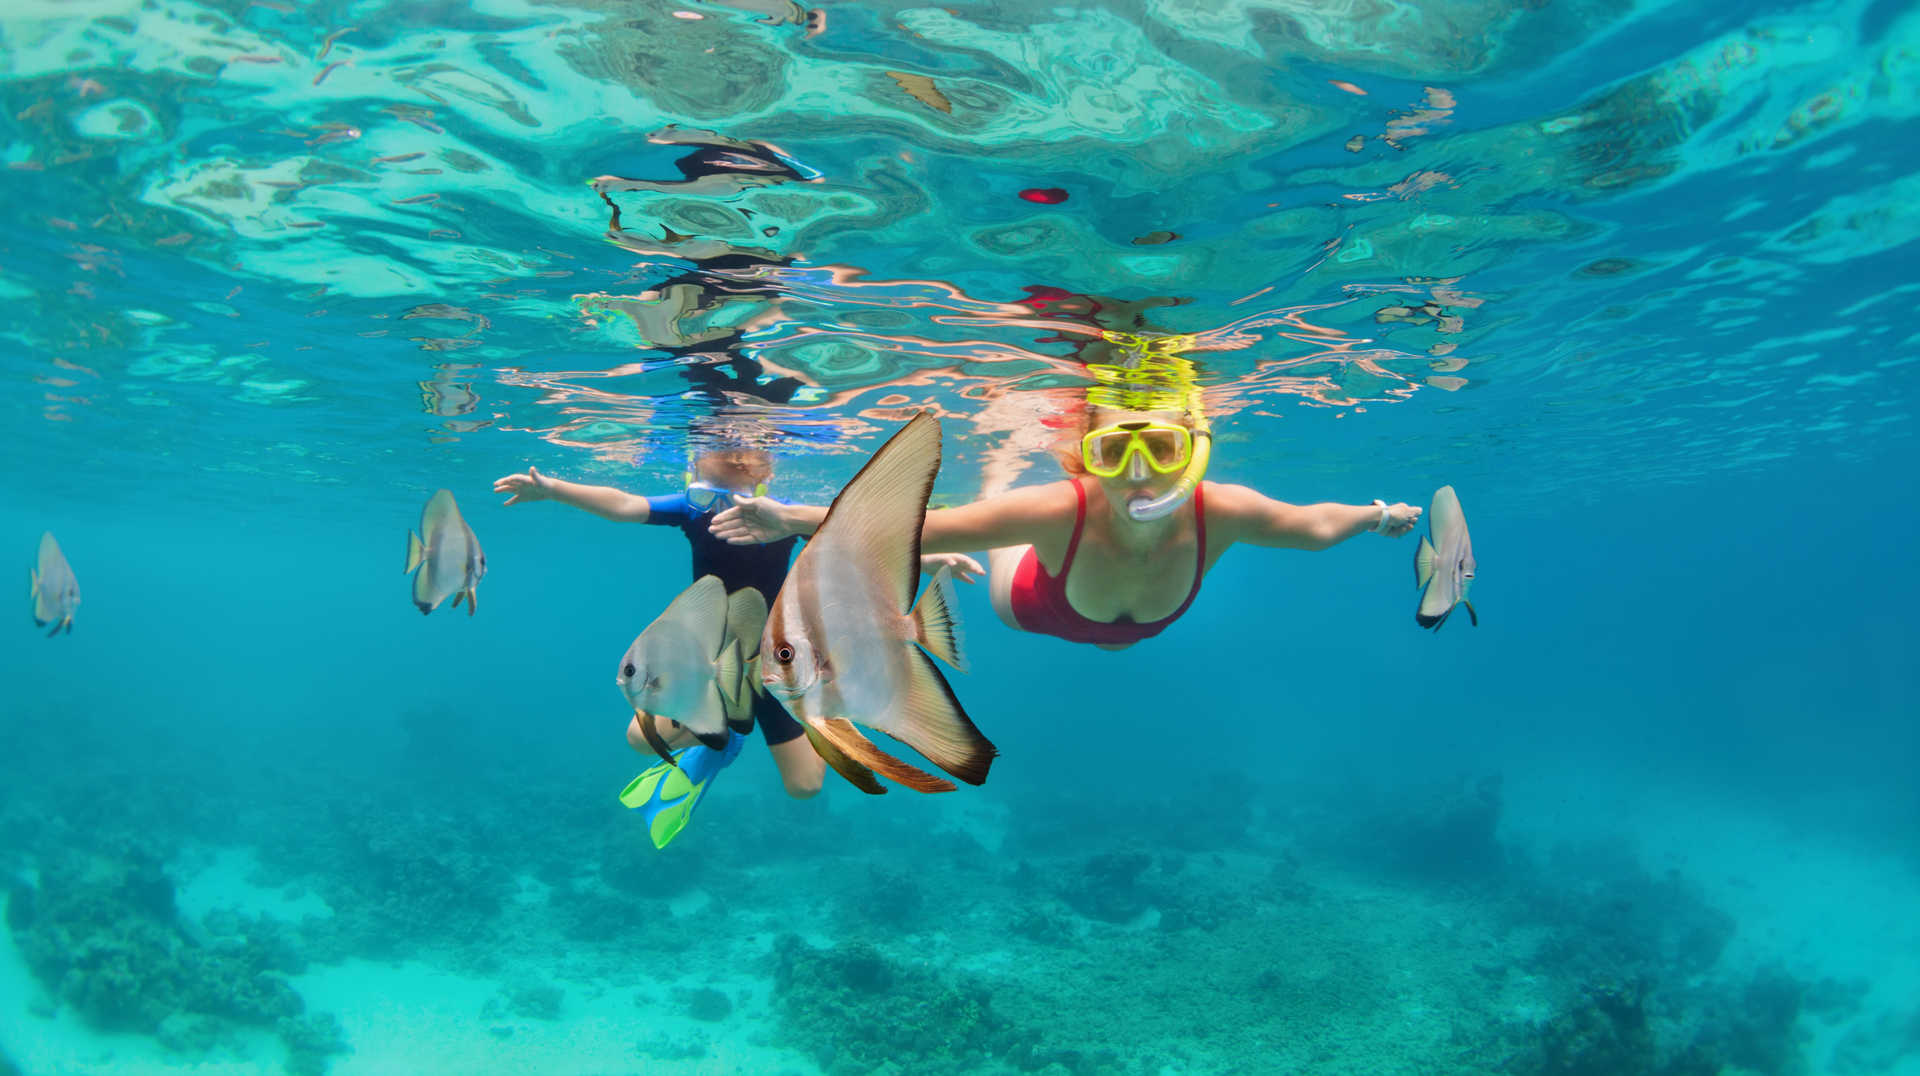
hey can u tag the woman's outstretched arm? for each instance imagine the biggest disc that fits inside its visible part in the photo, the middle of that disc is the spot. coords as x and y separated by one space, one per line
1240 514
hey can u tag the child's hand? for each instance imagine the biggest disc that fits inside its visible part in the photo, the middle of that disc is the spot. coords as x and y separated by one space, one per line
751 520
531 486
965 568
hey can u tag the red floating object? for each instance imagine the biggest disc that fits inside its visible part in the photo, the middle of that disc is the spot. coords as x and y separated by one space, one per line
1044 195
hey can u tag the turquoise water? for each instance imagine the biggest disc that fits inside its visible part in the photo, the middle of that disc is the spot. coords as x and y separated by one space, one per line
1633 279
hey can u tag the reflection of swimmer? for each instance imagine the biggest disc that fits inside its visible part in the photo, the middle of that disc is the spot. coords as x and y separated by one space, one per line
1117 552
704 314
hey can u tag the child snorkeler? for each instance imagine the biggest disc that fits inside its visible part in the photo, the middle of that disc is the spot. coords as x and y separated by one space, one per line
716 480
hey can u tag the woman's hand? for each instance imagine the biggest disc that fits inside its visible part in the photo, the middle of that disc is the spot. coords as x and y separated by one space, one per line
531 486
1401 519
751 520
965 568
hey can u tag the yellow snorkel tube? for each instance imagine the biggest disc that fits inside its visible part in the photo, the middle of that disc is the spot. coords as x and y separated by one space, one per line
1150 370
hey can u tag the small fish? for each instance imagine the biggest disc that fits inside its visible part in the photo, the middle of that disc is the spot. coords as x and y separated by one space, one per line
53 588
447 555
691 667
1155 238
844 640
1444 565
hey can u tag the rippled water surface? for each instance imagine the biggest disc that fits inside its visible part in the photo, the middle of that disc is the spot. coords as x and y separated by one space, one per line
268 239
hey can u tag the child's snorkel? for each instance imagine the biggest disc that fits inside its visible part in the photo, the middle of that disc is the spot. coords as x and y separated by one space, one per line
1158 359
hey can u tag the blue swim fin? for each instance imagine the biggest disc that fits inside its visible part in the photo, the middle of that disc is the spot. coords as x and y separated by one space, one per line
667 794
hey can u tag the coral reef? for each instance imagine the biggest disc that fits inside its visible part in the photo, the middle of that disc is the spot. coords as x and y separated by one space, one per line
1607 1033
708 1005
1107 887
104 936
854 1011
1446 833
525 1000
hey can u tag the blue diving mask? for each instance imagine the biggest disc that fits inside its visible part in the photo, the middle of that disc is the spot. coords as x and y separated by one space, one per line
706 497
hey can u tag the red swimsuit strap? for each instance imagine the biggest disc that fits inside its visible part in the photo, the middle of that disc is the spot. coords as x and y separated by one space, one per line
1073 543
1200 554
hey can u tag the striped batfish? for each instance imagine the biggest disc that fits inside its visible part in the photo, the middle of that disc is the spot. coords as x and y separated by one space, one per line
846 644
53 588
447 555
1444 565
694 665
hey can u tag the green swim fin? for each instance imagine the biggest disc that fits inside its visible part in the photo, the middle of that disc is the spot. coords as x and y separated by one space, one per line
667 793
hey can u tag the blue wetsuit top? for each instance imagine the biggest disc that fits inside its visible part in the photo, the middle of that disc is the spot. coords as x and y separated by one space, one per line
762 567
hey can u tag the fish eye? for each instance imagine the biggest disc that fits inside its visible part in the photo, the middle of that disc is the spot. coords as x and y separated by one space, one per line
785 655
627 670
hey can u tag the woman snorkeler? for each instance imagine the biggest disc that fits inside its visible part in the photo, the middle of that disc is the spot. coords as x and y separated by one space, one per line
1115 553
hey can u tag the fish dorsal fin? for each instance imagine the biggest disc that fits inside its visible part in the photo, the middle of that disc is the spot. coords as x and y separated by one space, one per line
48 547
747 620
702 610
876 518
1423 555
857 775
936 621
440 512
1444 518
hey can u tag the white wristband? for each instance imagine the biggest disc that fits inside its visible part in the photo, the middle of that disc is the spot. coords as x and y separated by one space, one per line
1381 527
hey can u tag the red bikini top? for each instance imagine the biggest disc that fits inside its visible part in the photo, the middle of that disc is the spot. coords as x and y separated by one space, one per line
1063 620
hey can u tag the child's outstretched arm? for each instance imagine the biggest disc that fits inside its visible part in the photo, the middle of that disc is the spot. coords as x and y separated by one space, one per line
603 501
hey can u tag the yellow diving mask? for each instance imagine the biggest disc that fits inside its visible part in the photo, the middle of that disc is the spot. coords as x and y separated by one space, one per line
1165 447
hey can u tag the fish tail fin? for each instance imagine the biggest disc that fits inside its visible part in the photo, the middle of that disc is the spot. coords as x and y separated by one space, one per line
416 552
932 722
857 775
1423 555
936 622
845 736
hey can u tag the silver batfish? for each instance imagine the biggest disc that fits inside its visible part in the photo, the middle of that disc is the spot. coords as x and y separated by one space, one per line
844 638
53 588
1444 565
447 555
691 666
